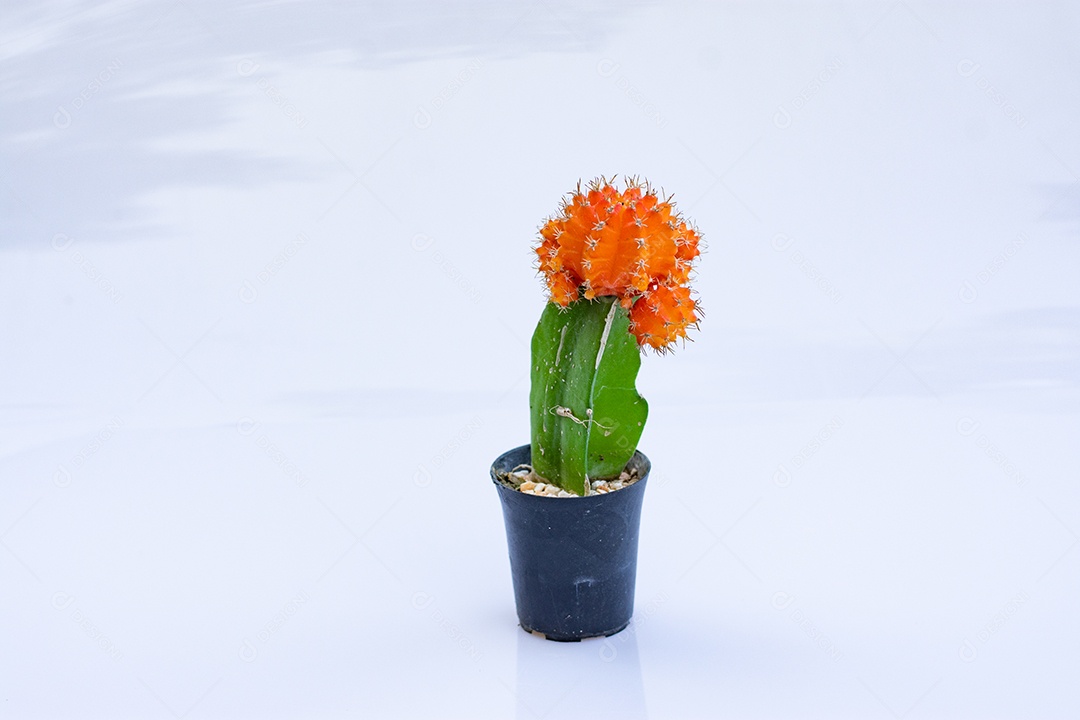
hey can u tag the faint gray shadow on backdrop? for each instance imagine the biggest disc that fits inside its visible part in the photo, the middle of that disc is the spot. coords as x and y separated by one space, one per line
1032 356
71 164
1064 199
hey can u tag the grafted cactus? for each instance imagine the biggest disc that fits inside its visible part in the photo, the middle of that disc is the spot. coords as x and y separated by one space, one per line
617 266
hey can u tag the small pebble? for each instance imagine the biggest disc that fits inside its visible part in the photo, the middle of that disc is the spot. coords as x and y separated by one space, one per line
595 487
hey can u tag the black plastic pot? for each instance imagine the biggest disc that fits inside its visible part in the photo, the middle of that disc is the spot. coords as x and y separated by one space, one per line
573 560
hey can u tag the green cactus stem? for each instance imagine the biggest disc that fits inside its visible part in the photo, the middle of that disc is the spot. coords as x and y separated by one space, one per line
586 414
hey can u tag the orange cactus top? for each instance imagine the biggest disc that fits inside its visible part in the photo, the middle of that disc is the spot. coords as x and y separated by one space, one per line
629 244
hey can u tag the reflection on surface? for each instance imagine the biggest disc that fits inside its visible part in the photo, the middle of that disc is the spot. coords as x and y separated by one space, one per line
592 678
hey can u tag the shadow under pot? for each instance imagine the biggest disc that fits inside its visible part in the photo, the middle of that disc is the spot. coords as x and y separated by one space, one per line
573 560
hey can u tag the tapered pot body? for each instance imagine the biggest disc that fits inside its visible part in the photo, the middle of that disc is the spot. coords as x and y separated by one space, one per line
573 560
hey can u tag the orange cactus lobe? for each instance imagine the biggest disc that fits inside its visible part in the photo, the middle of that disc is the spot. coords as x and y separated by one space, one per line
630 244
563 288
663 314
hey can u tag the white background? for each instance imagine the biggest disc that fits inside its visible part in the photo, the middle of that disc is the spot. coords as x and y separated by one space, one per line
266 287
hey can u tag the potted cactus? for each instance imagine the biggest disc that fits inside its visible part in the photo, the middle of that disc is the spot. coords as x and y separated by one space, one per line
617 265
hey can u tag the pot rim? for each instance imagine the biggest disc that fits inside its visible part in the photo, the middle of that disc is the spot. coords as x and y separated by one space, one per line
640 459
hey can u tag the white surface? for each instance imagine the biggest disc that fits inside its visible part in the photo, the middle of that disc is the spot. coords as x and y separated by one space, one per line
266 286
